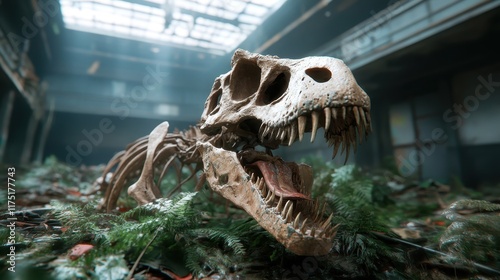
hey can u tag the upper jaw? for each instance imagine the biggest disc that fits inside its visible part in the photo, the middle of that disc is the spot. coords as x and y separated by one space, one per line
345 125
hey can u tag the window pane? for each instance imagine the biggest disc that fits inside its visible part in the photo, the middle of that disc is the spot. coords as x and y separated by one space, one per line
401 121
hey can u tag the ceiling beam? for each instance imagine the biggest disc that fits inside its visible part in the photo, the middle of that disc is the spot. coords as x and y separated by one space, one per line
130 58
305 16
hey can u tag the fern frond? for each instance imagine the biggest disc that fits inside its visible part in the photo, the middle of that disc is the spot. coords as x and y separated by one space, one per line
220 235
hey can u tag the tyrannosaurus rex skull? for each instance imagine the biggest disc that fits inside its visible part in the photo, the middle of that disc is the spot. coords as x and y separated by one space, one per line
270 100
267 101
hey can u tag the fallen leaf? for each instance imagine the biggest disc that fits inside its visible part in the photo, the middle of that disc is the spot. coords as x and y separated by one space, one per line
177 277
79 250
406 233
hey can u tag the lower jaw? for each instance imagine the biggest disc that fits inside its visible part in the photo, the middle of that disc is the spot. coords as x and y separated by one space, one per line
227 177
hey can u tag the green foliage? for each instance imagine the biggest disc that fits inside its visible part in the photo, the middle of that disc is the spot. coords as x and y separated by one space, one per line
3 198
352 198
202 234
361 205
91 266
53 171
222 246
170 217
64 271
219 245
127 234
84 222
322 175
474 237
111 267
389 164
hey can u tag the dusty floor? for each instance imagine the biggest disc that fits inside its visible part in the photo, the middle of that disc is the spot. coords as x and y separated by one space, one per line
391 228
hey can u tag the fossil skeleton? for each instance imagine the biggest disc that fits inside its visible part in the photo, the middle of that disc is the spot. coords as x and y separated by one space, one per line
262 101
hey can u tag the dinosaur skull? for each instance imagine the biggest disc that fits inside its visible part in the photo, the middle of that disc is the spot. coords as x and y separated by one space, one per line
270 101
267 101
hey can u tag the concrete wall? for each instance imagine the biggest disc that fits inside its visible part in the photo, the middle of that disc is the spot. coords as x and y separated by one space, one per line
476 117
450 131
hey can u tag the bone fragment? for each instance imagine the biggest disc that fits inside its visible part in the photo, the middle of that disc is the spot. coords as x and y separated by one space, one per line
145 190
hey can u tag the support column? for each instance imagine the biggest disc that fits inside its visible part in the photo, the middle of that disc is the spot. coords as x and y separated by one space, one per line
46 125
29 139
5 113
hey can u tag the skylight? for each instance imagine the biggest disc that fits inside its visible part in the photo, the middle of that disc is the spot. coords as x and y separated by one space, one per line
213 26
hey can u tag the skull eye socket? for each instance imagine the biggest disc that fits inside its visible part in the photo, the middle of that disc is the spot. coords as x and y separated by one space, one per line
245 79
276 89
214 99
320 75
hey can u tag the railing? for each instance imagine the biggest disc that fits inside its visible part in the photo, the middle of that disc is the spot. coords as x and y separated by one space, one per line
400 25
19 70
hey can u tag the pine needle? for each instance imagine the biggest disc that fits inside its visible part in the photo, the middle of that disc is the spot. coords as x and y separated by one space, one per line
479 267
131 273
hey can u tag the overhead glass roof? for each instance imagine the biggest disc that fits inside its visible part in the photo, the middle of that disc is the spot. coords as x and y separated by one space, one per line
213 26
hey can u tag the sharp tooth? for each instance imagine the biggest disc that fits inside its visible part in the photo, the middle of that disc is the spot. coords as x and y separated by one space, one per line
288 131
313 231
327 222
303 227
343 113
274 133
352 131
297 220
264 189
280 204
287 204
347 152
265 132
362 115
270 133
318 214
336 147
293 133
356 114
262 184
268 195
252 177
344 141
315 120
328 232
271 199
368 122
315 204
288 216
302 126
283 133
333 231
334 113
328 118
262 129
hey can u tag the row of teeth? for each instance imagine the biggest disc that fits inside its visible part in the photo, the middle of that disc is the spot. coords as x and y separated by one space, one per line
335 136
346 138
285 210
